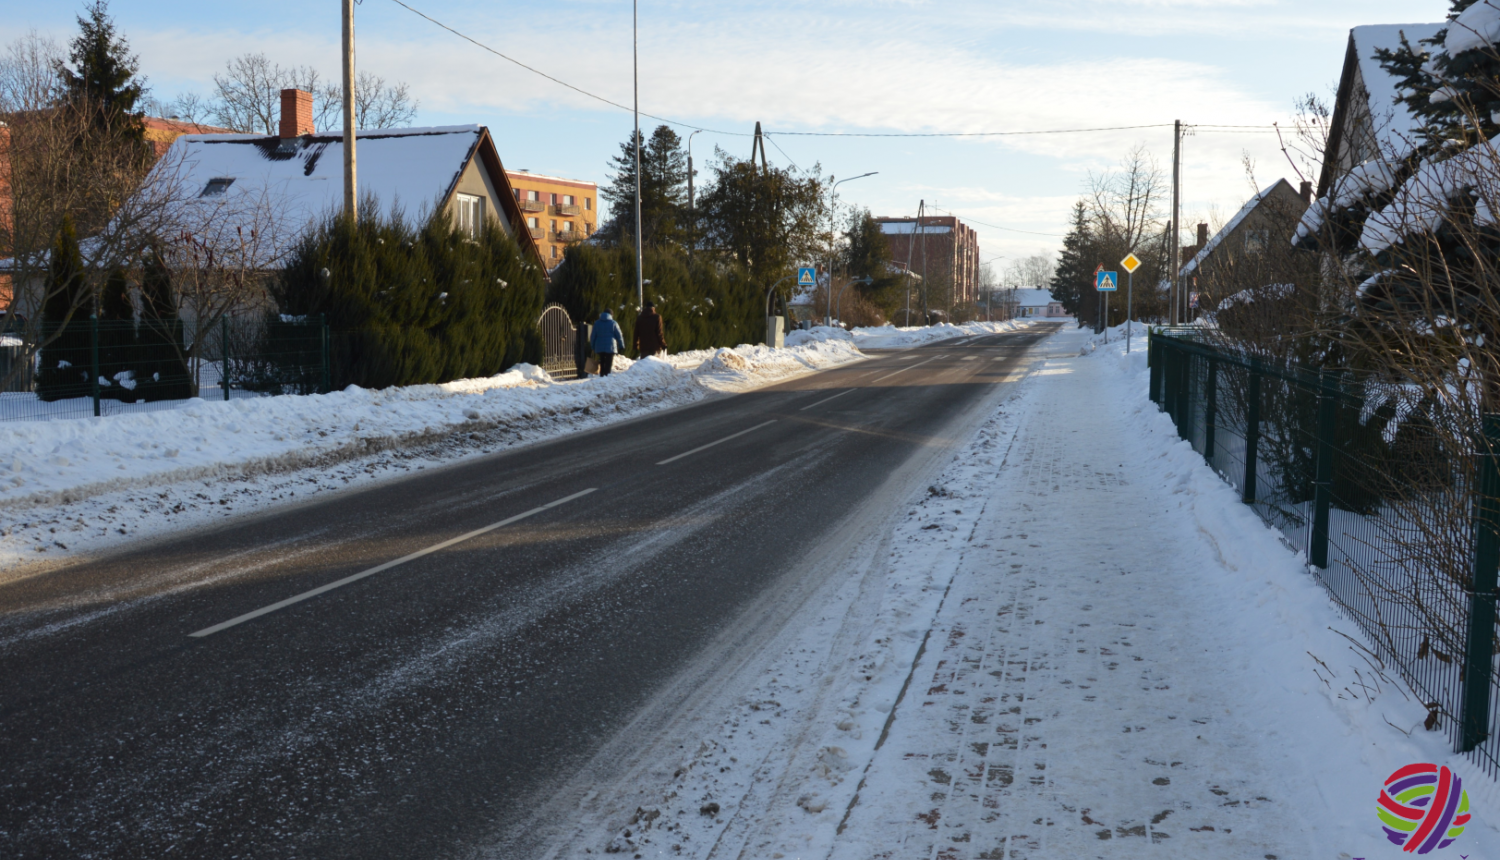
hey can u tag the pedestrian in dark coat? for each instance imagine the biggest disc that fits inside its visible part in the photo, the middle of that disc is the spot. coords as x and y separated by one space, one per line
607 341
650 332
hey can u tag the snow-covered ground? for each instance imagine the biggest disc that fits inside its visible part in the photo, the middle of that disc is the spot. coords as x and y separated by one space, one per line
1076 643
90 484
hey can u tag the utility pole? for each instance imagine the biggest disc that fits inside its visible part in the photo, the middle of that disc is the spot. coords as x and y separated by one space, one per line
351 200
921 206
635 76
926 314
1176 262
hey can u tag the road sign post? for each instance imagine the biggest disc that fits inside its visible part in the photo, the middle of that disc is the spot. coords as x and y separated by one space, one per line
1131 263
1106 283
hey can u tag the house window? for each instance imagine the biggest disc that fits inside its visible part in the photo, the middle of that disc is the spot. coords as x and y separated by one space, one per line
554 199
533 196
470 215
531 222
588 203
1256 241
217 186
517 192
567 226
554 225
567 200
554 252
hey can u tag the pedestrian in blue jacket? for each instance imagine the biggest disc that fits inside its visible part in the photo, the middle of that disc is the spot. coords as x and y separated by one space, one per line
607 341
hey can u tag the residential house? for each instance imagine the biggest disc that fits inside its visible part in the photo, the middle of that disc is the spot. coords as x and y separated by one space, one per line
1222 264
1033 303
1368 124
558 211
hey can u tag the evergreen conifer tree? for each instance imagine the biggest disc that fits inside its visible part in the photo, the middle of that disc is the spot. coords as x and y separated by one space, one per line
117 339
1074 273
161 365
663 190
66 352
103 75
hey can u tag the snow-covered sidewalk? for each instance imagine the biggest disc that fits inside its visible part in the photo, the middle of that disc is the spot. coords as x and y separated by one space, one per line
1080 644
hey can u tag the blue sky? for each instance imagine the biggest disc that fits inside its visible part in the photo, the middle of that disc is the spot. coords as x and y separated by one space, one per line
836 65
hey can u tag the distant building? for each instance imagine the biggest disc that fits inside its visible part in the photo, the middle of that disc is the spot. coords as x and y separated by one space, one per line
1029 303
950 251
557 211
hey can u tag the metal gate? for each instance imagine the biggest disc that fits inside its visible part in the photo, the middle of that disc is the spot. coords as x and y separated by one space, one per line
557 331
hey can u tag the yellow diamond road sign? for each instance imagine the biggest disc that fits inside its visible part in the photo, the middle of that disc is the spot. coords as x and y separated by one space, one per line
1131 262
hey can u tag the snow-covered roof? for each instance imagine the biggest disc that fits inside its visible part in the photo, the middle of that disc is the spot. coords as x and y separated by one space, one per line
904 228
1032 298
1393 123
411 168
1227 229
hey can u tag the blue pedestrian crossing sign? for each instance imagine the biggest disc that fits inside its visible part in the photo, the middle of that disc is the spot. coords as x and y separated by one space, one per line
806 277
1107 282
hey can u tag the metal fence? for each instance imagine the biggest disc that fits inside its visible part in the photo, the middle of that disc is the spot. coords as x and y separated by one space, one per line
97 368
1394 501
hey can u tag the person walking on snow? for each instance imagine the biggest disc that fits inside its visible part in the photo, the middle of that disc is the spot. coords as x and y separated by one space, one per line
650 333
607 341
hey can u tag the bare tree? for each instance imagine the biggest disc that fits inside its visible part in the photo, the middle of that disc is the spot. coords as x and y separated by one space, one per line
247 98
28 76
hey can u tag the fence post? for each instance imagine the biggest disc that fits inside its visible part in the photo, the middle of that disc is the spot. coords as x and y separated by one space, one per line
1479 655
224 360
1185 395
1210 409
1153 360
326 356
1252 431
1328 402
94 360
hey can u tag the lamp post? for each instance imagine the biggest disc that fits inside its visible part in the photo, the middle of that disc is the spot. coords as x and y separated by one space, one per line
635 76
833 197
692 213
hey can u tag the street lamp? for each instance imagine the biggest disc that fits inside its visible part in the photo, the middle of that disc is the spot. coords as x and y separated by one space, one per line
692 213
832 204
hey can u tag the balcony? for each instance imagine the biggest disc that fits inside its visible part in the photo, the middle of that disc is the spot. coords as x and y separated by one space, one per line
533 206
567 236
537 232
568 209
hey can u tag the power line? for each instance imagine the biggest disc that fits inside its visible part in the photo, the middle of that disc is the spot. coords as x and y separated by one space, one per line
998 227
938 134
558 81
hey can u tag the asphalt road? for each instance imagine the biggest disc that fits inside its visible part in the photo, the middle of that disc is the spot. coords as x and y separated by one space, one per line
201 697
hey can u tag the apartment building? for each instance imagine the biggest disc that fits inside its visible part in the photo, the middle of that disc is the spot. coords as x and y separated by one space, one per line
558 211
943 250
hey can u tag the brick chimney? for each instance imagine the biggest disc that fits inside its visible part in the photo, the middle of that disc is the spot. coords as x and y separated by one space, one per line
1306 191
1202 236
296 113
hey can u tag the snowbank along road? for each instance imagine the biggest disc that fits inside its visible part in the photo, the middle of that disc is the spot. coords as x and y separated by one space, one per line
407 671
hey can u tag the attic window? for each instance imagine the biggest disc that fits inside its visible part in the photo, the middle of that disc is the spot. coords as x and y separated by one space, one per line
217 186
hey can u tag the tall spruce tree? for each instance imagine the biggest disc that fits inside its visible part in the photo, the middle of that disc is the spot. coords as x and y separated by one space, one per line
103 77
66 305
1074 272
663 190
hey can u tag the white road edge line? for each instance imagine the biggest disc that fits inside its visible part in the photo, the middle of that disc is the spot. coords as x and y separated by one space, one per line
906 368
306 595
824 400
719 442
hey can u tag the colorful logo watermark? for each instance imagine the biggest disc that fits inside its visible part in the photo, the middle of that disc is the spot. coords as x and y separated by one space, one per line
1424 807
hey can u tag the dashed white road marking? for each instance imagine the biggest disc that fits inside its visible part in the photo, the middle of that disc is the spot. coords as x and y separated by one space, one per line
323 589
718 442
